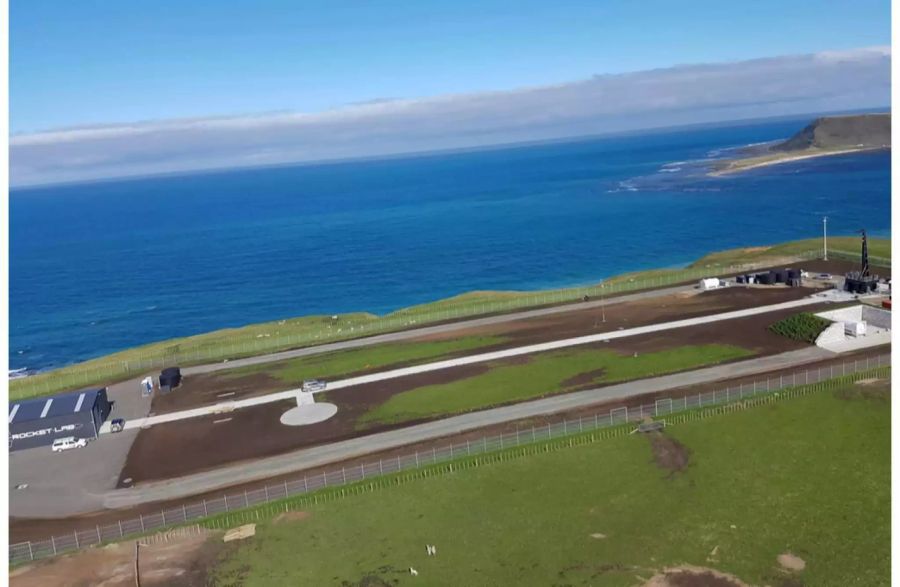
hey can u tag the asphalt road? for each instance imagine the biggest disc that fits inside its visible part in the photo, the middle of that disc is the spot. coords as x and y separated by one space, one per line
339 451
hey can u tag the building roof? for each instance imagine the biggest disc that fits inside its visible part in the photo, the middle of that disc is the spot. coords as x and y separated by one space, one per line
53 406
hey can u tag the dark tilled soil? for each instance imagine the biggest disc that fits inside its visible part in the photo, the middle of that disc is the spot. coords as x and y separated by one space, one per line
668 453
180 448
188 446
212 388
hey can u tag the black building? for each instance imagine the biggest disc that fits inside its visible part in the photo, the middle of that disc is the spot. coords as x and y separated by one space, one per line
169 379
40 421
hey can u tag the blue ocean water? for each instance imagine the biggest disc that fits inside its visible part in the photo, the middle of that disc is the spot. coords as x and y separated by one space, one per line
100 267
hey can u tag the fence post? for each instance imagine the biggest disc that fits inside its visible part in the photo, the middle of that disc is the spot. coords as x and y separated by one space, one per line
417 456
205 510
142 528
121 534
53 544
98 534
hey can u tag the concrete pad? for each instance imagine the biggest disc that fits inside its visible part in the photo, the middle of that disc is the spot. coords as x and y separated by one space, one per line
308 414
875 337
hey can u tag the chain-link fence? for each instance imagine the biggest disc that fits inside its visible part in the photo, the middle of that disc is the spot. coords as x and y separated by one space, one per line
28 551
104 371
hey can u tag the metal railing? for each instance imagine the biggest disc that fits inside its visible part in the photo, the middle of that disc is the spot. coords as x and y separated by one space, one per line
29 551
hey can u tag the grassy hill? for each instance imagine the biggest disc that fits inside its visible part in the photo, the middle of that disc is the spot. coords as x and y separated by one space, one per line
838 132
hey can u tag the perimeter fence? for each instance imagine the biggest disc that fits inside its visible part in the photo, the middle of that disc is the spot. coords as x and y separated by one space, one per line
184 352
347 479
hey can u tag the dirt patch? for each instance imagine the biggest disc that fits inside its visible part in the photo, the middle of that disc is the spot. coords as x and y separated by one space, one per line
668 453
872 390
189 446
688 576
598 535
290 517
178 562
583 379
870 381
791 562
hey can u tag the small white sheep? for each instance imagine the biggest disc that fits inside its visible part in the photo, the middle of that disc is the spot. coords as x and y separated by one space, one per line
413 572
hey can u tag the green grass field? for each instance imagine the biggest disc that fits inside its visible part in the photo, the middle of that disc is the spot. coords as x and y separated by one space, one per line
543 372
809 476
879 248
804 326
378 356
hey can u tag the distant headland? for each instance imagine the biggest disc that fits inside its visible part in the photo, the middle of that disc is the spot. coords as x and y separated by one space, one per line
830 135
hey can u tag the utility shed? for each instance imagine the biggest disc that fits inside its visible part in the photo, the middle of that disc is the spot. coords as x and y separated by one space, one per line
710 283
40 421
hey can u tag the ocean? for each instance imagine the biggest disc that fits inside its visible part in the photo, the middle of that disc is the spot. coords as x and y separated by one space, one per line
96 268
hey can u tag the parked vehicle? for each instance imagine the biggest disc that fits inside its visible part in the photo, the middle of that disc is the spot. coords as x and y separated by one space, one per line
61 444
117 425
311 385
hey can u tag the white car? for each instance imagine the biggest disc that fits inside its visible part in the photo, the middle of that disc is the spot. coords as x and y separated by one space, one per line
61 444
311 385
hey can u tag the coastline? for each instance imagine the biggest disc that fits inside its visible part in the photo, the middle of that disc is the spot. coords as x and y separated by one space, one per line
739 165
311 330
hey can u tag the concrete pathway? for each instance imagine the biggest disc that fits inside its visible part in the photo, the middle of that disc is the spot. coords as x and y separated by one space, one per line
340 451
460 361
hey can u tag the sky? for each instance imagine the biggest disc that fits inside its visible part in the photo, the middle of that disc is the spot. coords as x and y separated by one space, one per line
270 71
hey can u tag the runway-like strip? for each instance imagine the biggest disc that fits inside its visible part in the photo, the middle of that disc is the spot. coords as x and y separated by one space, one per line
340 451
460 361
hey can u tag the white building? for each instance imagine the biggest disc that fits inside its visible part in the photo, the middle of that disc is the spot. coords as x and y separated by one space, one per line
711 283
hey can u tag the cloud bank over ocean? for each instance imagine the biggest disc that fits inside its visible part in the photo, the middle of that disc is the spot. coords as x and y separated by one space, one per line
827 81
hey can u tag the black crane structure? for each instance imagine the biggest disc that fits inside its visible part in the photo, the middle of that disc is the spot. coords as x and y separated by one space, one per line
862 281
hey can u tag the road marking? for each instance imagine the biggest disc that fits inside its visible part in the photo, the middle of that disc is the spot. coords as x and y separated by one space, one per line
222 420
226 394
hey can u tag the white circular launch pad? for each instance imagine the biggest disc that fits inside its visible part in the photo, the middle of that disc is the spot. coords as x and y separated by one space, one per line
308 414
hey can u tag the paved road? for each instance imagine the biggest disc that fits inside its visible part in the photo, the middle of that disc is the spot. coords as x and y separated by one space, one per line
430 330
468 360
340 451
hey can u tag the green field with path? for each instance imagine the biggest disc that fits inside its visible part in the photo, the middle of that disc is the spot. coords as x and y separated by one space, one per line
542 374
328 365
809 476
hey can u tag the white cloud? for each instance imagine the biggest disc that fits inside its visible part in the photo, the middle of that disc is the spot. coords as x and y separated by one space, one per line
834 80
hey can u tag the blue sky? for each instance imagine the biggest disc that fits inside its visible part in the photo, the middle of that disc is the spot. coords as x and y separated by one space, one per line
113 89
90 62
